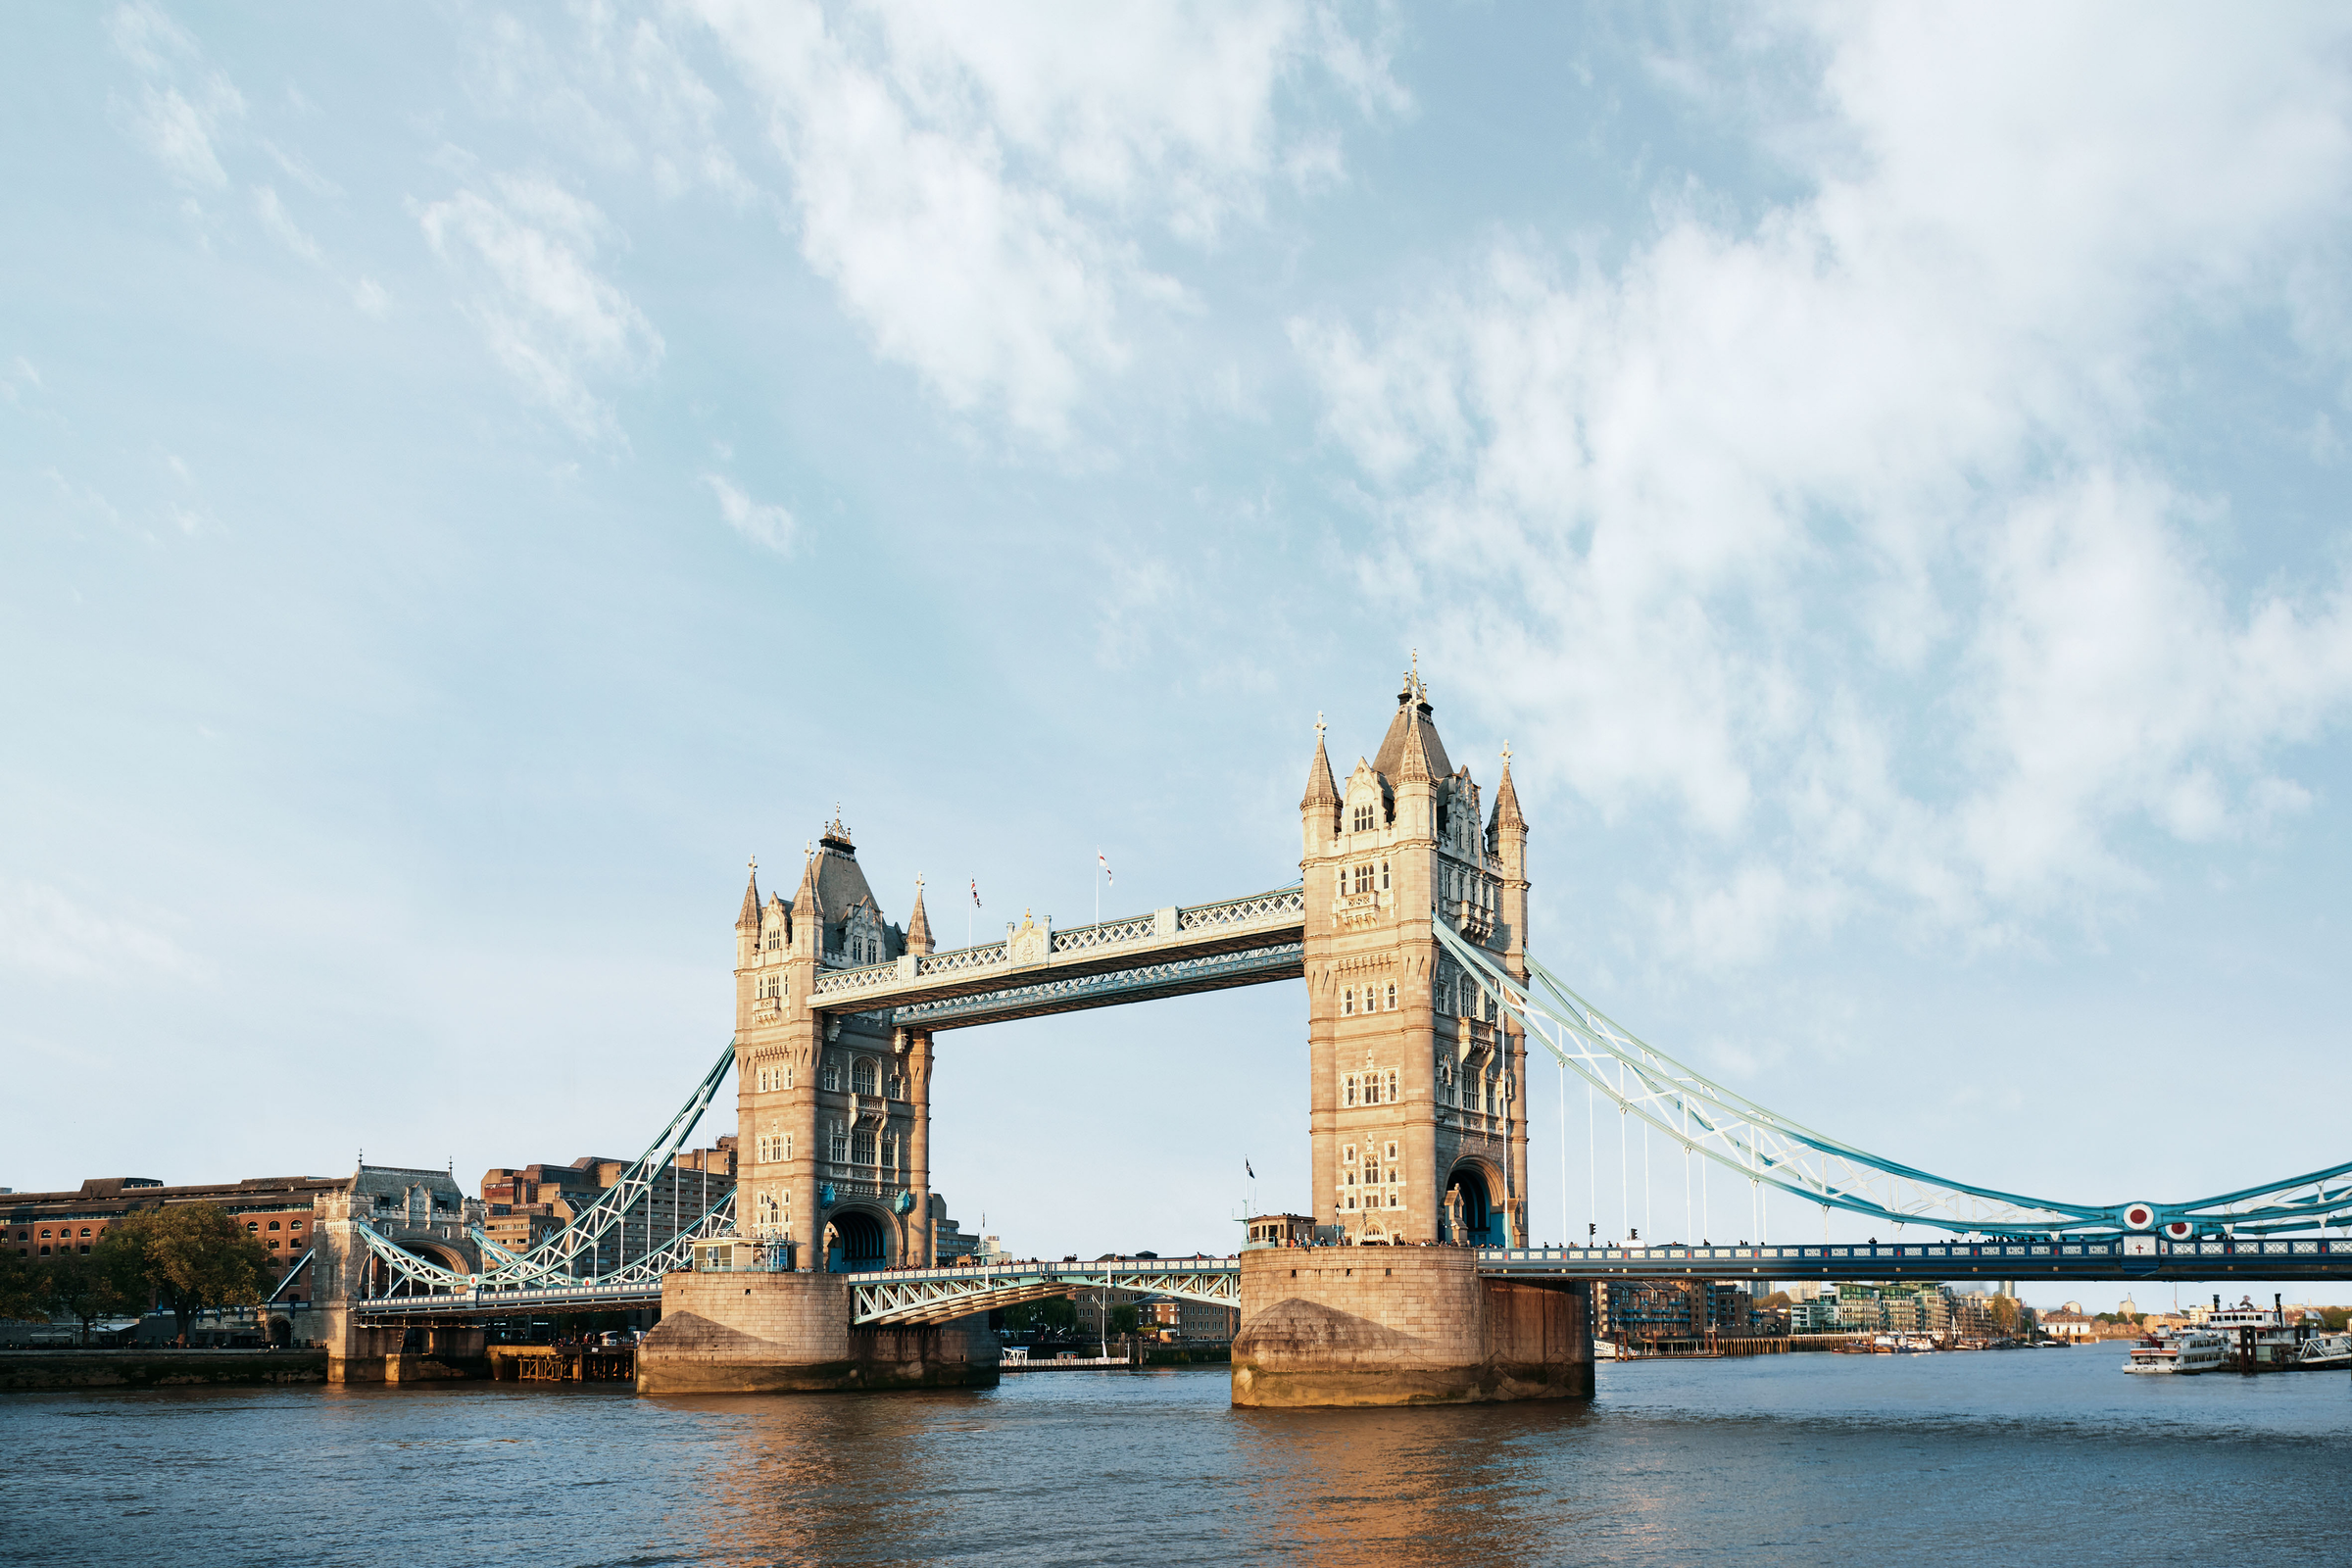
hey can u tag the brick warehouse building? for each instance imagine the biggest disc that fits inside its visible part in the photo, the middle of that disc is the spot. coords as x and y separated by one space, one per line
276 1210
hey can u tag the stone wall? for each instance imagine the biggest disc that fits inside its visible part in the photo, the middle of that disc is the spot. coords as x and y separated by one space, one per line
791 1334
1406 1325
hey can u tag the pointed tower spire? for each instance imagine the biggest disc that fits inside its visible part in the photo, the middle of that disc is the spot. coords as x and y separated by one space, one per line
1320 789
918 924
749 917
1506 798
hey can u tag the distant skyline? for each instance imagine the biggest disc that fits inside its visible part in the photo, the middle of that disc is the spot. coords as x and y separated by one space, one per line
474 479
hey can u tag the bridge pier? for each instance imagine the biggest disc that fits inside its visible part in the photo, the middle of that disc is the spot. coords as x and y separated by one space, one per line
401 1352
790 1332
1402 1325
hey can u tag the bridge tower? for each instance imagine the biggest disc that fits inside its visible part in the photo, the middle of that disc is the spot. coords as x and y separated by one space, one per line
833 1112
1417 1089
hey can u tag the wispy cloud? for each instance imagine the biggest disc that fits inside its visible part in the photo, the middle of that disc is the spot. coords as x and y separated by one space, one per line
975 184
525 251
184 104
1837 530
768 526
44 932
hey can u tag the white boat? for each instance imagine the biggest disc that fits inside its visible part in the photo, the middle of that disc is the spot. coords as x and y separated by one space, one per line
2189 1351
2325 1352
2278 1343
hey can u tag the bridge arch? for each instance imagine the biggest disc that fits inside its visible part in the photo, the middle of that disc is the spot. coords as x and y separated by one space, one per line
453 1259
1480 1214
856 1240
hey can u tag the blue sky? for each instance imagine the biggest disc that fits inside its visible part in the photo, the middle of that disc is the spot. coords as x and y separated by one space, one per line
475 477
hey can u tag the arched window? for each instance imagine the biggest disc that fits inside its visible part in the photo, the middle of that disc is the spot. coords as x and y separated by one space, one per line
1348 1002
861 1076
1391 1002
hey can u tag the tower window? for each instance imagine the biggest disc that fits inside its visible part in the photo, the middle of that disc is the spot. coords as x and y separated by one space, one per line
1348 1155
1391 1086
861 1076
1392 1155
1348 1002
1363 877
840 1141
1347 1098
862 1148
1363 819
832 1077
775 940
1391 1002
1384 876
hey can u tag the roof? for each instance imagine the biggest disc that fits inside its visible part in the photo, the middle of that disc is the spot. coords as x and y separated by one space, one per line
1320 790
1411 747
1506 798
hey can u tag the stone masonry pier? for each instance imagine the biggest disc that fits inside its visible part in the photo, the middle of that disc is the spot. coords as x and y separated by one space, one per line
1402 1325
759 1333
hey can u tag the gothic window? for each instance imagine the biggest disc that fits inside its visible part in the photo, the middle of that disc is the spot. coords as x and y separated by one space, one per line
1392 1156
890 1149
861 1076
787 1150
832 1077
785 1073
1371 1171
1391 1005
1363 877
1391 1086
775 937
769 1209
861 1146
1346 1157
1384 876
1393 1201
1347 1097
840 1141
1363 819
897 1086
1348 1002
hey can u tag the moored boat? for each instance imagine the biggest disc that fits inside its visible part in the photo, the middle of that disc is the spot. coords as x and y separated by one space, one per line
2185 1354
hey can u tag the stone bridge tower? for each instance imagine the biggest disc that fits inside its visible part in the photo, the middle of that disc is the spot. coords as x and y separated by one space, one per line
833 1112
1418 1090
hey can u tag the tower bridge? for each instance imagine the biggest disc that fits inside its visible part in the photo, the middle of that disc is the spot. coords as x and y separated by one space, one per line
1409 928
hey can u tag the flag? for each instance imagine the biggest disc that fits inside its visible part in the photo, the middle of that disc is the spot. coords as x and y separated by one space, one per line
975 893
1105 865
1252 1173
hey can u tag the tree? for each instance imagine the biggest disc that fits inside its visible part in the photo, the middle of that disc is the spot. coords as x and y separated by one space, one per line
1122 1320
191 1257
85 1288
23 1293
2002 1310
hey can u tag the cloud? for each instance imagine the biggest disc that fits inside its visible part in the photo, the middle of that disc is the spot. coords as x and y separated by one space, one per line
43 932
177 129
770 527
525 249
974 183
1850 527
281 225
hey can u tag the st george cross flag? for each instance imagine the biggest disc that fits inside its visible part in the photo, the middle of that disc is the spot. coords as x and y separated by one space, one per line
1105 865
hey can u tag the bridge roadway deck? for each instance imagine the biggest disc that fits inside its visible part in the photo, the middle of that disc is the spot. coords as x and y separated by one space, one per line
931 1295
2105 1257
1245 941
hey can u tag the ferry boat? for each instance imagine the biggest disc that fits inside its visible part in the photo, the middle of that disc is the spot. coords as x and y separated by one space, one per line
2189 1351
2326 1352
2278 1343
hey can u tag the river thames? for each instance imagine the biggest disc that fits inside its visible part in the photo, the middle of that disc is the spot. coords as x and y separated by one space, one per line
2039 1456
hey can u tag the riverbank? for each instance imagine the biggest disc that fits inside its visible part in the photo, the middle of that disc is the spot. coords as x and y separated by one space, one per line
38 1371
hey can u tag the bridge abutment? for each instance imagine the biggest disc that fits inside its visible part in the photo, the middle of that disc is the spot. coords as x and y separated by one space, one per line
1402 1325
790 1332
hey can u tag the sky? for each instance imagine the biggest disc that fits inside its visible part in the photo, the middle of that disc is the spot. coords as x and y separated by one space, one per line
470 479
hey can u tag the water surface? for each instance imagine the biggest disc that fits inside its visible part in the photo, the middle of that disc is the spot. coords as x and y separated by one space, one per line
2025 1456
